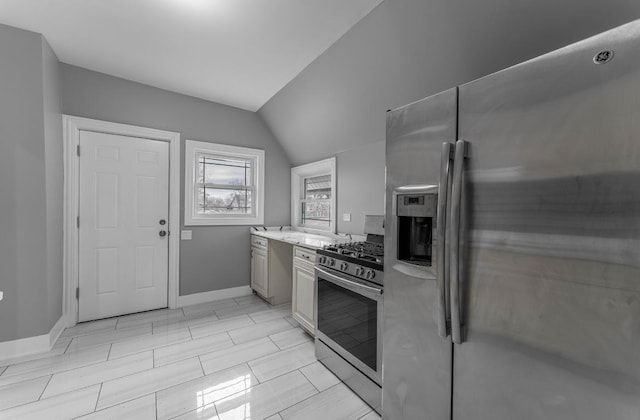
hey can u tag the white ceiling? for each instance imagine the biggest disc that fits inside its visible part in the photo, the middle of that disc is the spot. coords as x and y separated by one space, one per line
235 52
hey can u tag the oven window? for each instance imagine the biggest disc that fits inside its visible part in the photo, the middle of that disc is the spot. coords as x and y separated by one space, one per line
350 320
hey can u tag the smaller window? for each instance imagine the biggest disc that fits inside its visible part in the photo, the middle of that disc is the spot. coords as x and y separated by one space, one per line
316 202
223 184
313 195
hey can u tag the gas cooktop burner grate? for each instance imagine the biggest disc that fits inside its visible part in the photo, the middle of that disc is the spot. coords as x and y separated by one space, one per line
366 251
360 259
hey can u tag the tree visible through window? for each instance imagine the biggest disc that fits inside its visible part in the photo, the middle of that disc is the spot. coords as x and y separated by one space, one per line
313 195
316 202
224 185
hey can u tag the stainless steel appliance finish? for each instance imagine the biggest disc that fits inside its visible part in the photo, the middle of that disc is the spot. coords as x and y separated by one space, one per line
336 308
349 331
374 224
416 214
541 299
349 312
361 384
416 360
359 259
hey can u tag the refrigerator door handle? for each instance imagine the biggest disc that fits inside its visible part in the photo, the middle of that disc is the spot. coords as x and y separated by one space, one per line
442 281
454 242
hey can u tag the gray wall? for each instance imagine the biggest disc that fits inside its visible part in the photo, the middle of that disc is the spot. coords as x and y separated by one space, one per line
360 175
217 257
405 50
30 256
54 171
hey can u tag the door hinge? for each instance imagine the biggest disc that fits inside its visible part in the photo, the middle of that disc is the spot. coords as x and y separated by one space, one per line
78 222
78 150
77 293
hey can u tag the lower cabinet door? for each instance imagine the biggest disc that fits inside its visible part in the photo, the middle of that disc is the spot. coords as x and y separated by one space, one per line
303 301
259 271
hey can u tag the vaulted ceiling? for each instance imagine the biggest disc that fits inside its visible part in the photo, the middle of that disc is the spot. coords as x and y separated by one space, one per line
234 52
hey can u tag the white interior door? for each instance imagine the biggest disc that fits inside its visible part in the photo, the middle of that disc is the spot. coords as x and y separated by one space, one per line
124 208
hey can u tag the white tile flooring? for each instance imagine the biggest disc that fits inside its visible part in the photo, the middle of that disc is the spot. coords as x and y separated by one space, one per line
231 359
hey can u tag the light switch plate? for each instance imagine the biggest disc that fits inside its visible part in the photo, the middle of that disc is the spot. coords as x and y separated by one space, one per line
346 217
186 235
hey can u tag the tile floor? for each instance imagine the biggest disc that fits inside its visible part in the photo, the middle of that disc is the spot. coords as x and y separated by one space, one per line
231 359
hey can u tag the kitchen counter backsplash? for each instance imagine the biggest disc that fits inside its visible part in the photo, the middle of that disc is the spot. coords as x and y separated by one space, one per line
301 238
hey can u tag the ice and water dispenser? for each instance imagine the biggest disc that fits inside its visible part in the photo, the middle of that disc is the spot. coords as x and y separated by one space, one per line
416 219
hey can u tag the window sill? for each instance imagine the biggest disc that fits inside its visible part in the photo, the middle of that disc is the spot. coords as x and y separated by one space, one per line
225 222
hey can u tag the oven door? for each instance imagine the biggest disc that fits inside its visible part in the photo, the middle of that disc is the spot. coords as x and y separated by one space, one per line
349 320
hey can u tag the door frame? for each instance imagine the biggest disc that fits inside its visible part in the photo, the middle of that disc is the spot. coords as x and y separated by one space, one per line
72 126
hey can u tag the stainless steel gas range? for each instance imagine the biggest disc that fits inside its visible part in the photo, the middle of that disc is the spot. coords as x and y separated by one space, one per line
349 290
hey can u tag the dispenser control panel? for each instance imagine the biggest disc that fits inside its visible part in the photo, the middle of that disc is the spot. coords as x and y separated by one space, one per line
416 220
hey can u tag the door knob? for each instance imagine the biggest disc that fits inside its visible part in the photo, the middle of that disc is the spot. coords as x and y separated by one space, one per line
162 222
163 233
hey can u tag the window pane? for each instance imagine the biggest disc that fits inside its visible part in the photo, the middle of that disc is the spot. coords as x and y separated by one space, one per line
316 214
217 201
317 187
224 170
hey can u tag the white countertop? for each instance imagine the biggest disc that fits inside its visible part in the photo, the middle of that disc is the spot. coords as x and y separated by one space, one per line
307 240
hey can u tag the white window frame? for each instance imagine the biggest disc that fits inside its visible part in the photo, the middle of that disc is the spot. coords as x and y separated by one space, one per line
192 149
298 175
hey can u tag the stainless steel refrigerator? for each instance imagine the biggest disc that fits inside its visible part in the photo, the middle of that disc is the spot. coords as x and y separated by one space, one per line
512 246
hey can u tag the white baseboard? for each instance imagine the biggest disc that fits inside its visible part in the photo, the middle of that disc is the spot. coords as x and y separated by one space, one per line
56 331
31 345
205 297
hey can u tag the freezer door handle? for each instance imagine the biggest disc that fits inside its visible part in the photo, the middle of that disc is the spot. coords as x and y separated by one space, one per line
454 240
442 272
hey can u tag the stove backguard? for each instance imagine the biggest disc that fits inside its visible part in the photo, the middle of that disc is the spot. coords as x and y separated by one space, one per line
416 218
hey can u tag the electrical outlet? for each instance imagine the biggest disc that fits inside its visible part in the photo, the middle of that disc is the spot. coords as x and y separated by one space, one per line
186 235
346 217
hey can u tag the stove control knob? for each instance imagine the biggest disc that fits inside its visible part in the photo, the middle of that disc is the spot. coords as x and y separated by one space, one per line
321 260
344 266
370 274
359 271
331 262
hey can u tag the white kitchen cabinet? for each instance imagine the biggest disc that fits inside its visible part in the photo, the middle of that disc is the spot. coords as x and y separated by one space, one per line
259 270
303 299
271 269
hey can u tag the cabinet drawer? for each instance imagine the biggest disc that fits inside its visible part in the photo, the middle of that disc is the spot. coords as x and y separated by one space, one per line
258 241
305 254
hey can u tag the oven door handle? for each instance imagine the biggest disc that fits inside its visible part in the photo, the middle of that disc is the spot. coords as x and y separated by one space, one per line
374 293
